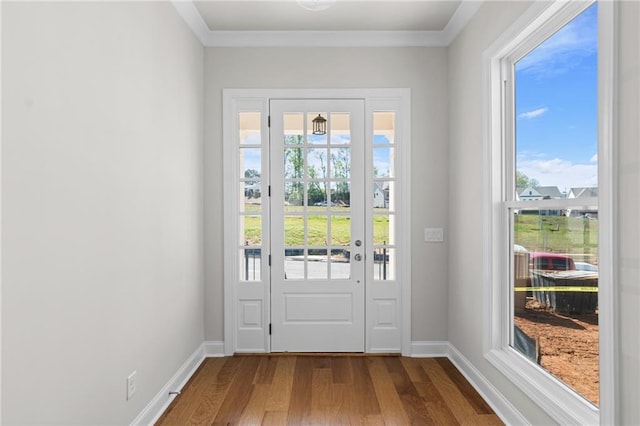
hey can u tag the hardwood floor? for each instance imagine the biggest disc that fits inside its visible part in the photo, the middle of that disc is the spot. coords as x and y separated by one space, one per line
327 390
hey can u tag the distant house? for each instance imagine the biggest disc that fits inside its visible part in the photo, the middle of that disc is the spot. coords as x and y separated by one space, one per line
590 192
529 193
539 193
381 195
549 192
583 193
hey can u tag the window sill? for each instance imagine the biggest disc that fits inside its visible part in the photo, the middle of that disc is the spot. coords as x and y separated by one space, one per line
558 400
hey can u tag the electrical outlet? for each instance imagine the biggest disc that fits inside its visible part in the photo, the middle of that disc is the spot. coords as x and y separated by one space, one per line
433 235
132 384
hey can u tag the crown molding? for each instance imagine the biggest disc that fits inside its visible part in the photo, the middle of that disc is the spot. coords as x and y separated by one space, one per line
459 20
188 11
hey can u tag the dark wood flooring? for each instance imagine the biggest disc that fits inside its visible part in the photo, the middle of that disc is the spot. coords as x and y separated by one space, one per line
328 390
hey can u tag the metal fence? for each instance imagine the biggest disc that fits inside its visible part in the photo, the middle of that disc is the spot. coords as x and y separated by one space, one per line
252 258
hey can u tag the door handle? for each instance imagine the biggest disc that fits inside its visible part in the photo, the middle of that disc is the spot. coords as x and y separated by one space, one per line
357 257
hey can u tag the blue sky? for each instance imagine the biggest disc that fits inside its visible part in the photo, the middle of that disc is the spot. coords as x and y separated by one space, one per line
556 107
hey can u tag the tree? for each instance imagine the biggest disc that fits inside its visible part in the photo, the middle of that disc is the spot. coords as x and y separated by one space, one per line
294 169
341 166
315 193
524 181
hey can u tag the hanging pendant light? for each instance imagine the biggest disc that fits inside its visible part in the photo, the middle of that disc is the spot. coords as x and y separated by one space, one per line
319 125
316 5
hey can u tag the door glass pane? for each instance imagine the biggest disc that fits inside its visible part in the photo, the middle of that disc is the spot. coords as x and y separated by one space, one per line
340 267
251 197
313 138
383 229
251 227
293 163
318 265
250 264
293 196
250 162
317 163
340 159
294 264
340 196
340 128
317 195
384 127
382 195
340 231
294 230
293 128
249 128
317 230
384 264
383 160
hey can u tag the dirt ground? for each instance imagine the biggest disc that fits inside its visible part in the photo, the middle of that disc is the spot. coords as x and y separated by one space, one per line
568 346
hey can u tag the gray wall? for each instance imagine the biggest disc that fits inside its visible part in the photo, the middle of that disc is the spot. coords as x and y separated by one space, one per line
102 196
423 70
628 213
102 246
466 191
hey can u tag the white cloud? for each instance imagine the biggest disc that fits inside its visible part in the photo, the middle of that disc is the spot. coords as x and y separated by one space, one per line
594 159
533 114
561 173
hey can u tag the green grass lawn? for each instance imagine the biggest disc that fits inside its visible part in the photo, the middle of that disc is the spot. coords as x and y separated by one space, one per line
558 234
318 227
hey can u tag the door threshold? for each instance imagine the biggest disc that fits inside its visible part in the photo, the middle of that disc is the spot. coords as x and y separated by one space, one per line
323 354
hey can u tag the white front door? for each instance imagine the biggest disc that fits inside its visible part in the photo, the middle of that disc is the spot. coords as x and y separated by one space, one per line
317 226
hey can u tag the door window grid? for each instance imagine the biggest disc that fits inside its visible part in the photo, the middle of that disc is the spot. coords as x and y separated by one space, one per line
250 221
317 187
384 177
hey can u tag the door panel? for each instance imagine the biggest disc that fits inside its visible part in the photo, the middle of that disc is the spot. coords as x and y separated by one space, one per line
318 215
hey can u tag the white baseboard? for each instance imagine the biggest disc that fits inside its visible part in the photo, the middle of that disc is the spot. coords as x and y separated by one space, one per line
213 349
161 401
496 400
429 349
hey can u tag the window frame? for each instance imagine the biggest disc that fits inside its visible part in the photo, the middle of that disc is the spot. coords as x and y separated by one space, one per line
538 23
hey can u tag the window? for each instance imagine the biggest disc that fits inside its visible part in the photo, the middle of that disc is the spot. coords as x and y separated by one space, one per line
555 142
384 203
548 252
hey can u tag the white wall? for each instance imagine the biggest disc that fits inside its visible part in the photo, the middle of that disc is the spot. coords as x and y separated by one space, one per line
423 70
102 246
465 90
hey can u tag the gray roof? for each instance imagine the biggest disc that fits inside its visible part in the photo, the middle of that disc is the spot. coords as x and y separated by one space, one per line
585 192
549 191
545 191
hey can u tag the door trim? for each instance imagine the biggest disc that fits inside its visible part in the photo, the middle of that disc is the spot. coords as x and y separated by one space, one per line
373 98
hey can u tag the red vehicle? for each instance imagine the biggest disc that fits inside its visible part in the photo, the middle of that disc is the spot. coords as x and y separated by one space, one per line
551 262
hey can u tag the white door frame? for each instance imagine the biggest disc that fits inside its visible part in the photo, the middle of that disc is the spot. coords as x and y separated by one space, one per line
399 100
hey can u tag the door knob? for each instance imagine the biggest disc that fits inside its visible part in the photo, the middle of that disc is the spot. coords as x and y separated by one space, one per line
358 243
358 257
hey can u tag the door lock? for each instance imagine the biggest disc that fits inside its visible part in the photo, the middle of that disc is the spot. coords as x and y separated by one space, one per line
358 243
357 257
